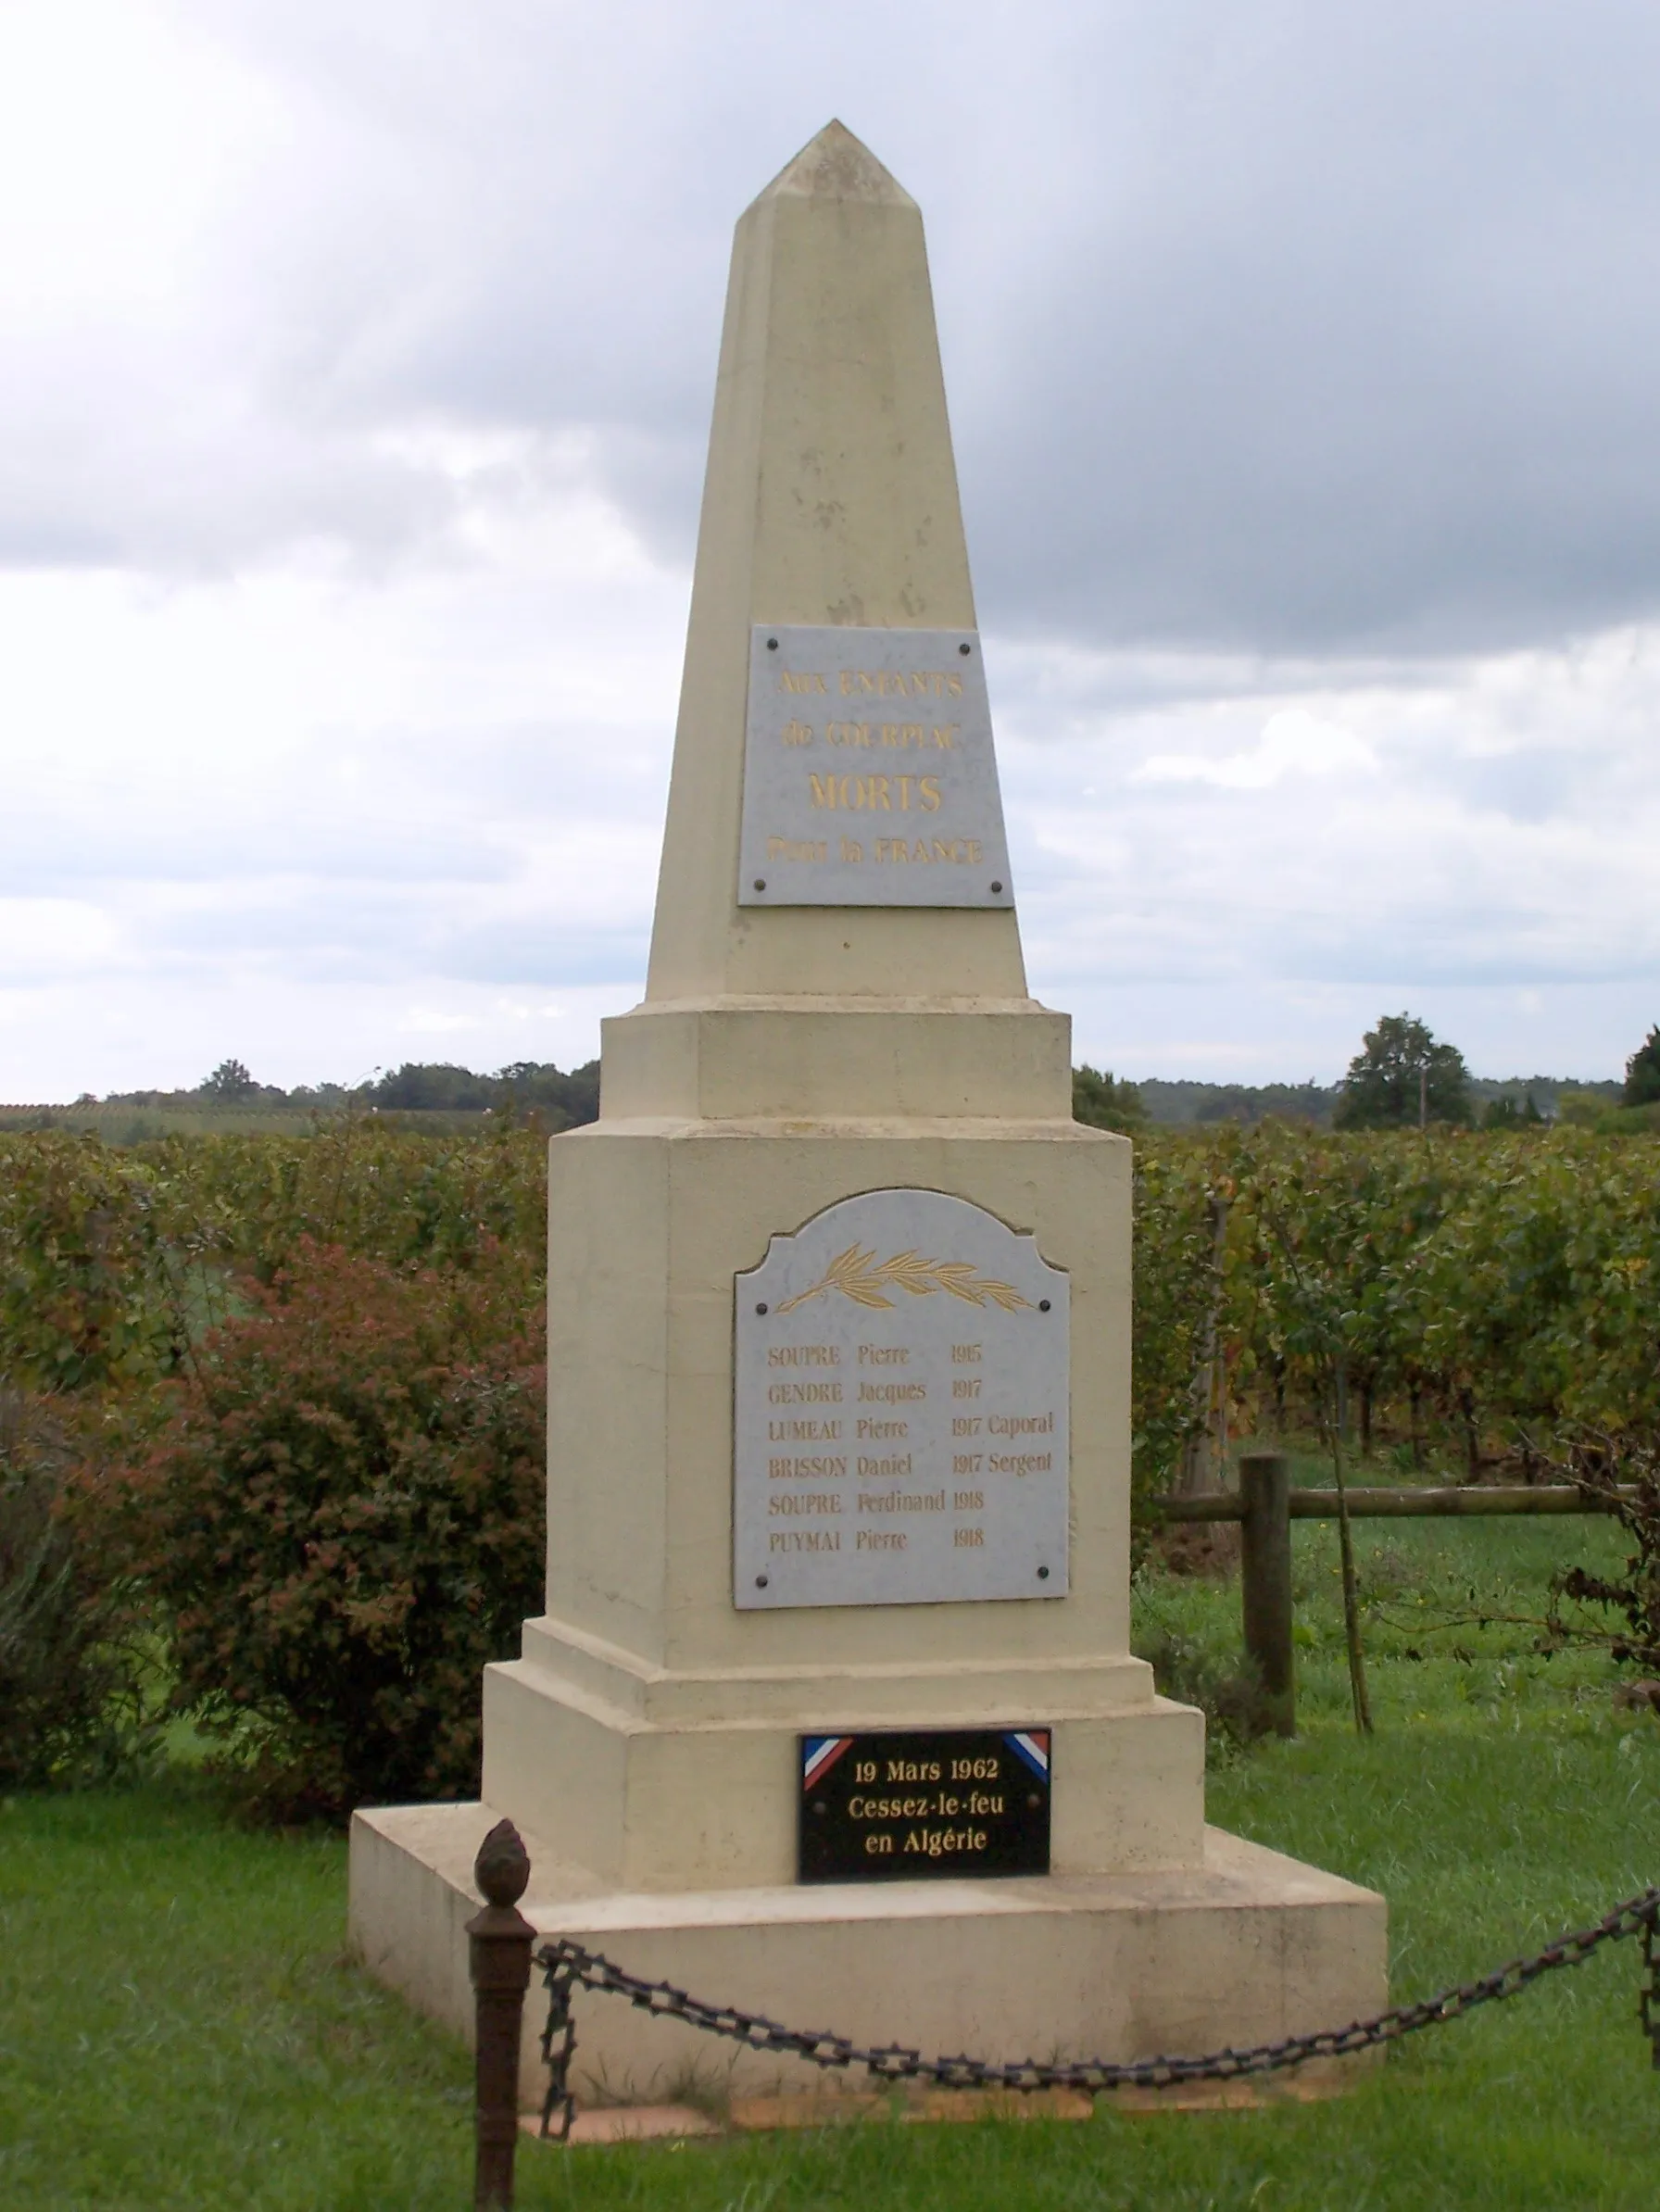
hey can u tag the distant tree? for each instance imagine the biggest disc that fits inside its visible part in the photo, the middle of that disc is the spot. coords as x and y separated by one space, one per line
1404 1076
527 1088
1579 1109
1230 1102
561 1101
229 1082
428 1087
1251 1102
1513 1113
1103 1102
1183 1100
1642 1071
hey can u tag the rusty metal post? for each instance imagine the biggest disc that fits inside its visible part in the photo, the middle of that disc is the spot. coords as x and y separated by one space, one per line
499 1940
1265 1581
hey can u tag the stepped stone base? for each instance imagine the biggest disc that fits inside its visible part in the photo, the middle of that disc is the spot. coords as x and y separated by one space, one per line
1243 1949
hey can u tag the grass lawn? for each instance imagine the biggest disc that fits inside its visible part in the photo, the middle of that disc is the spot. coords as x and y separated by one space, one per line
179 2026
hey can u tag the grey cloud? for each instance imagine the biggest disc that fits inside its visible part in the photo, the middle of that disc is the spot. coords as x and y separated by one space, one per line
1365 361
364 929
547 952
386 941
1308 329
70 850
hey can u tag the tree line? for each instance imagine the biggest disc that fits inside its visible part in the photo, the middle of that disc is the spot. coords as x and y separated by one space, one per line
524 1089
1402 1077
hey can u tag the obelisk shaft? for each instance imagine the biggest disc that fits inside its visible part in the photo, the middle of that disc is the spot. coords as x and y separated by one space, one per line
831 498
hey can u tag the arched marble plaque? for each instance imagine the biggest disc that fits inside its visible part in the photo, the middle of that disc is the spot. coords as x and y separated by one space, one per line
900 1416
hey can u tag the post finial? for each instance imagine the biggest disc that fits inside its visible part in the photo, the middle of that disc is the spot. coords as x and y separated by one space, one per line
502 1866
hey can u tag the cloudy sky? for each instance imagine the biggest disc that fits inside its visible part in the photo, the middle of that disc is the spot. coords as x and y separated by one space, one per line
355 360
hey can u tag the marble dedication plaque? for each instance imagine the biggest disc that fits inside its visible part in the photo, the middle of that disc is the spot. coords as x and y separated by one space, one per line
905 1805
869 774
900 1416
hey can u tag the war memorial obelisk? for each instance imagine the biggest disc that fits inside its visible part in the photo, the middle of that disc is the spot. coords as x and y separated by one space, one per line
832 1714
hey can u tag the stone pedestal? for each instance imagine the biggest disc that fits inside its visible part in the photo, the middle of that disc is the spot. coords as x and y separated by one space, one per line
1243 1947
789 1058
650 1728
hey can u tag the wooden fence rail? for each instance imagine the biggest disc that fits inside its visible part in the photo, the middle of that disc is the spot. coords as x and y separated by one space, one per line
1265 1505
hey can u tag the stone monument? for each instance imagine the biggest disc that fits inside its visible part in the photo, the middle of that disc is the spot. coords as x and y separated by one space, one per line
832 1714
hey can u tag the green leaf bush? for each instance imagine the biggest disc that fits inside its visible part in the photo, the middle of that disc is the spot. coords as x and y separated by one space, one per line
72 1703
1481 1296
85 1302
363 1183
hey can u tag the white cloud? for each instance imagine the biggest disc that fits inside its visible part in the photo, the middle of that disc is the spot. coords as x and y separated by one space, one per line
57 937
1486 868
1293 743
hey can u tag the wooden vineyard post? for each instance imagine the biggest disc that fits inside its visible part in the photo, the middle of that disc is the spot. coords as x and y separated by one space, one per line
1265 1581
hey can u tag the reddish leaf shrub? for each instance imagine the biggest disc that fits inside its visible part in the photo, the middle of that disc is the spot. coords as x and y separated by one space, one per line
341 1521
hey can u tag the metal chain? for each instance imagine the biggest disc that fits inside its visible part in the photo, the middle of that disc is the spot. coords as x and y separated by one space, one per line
568 1966
559 2041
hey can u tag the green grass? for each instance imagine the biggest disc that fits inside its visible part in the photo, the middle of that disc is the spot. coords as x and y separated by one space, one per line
179 2026
1446 1607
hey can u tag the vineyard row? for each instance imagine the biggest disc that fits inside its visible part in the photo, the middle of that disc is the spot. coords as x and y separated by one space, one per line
1442 1294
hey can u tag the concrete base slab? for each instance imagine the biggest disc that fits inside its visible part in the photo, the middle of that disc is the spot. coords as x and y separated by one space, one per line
757 2114
1246 1948
627 2123
604 2124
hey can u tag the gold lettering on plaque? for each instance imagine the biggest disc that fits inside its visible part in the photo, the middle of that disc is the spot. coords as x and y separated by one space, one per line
901 682
874 794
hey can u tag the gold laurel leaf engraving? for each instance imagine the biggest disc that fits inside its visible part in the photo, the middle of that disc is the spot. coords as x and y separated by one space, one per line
855 1274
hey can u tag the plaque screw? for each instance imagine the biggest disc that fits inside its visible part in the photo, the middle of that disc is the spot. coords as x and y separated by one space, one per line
963 649
1042 1306
820 1808
760 883
997 887
772 644
1042 1575
1033 1800
760 1580
760 1309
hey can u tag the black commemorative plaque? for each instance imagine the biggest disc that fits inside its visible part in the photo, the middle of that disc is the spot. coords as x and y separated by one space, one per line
923 1805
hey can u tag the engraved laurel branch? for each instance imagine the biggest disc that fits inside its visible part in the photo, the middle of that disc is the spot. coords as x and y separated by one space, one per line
853 1273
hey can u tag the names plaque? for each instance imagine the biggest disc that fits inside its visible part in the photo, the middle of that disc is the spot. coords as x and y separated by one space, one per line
869 773
899 1415
921 1805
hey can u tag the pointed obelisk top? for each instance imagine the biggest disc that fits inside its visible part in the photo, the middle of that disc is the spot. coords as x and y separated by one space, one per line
830 503
837 166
